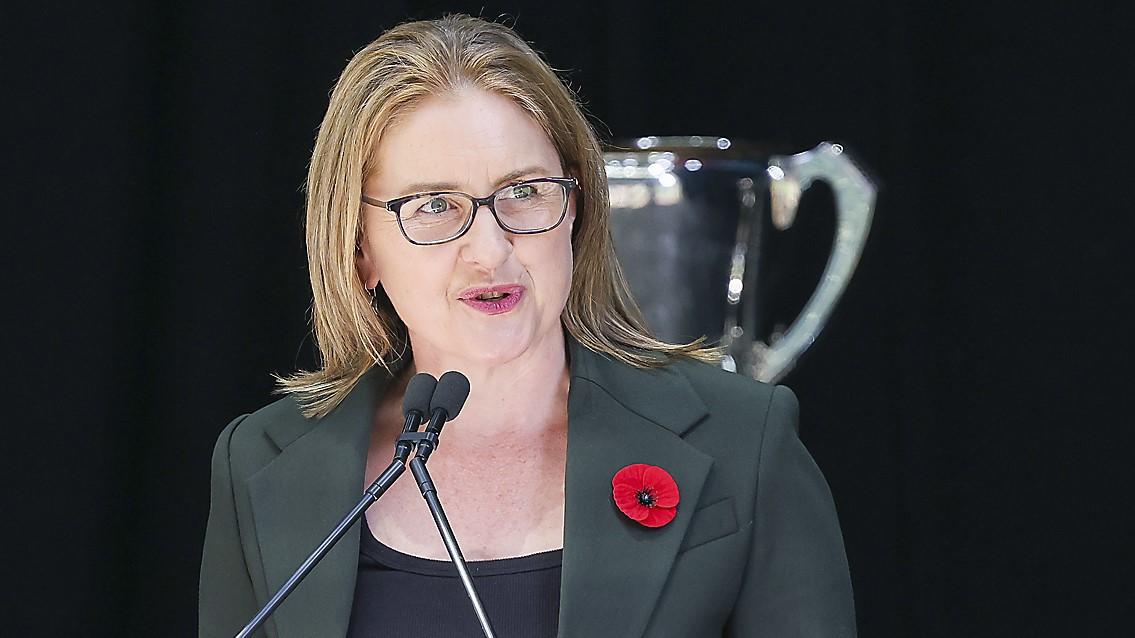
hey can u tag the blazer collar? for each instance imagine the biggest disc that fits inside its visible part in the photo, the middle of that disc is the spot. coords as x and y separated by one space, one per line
300 496
613 568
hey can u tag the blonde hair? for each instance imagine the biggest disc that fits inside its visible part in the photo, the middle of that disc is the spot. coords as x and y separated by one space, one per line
386 79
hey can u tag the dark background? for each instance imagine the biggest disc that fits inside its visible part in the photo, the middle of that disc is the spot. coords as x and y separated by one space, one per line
965 403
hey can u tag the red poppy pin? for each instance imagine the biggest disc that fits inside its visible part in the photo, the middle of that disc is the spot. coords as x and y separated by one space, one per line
646 493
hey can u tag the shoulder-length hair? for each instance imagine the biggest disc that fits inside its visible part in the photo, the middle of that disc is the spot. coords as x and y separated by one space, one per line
385 80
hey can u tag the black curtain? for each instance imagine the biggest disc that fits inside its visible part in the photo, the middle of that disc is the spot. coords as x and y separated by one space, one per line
966 402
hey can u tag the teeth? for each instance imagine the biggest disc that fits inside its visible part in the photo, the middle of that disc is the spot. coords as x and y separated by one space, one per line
486 296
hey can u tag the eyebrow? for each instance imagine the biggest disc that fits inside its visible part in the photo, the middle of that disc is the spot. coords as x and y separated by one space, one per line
425 187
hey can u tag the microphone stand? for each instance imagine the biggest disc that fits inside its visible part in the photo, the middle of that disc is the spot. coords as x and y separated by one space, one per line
429 493
401 452
425 442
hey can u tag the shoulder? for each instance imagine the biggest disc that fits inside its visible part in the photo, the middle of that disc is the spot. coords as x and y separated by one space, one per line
724 391
685 396
735 401
744 420
251 441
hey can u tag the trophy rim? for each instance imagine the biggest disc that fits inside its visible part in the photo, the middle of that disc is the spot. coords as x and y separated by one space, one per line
692 146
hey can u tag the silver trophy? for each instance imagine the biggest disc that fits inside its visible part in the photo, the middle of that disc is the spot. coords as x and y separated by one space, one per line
691 216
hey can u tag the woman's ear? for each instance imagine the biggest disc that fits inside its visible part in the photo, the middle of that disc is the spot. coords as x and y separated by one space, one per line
575 198
365 267
573 195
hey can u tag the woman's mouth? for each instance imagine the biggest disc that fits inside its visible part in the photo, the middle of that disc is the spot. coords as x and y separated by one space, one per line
493 300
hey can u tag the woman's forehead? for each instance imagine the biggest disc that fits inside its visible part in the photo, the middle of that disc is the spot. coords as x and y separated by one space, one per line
469 139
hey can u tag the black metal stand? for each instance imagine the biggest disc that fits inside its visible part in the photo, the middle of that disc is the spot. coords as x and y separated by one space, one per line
453 388
429 492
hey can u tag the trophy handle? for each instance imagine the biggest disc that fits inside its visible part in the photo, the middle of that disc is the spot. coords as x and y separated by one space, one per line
789 176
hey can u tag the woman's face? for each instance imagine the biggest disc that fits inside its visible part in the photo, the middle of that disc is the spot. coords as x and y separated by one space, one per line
472 141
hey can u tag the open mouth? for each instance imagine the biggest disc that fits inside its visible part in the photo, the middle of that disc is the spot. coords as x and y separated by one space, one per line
493 300
491 296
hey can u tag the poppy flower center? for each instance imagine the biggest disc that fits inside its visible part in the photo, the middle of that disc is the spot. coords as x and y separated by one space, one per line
645 498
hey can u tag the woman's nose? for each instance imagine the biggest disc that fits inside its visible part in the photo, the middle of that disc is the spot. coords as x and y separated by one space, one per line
486 243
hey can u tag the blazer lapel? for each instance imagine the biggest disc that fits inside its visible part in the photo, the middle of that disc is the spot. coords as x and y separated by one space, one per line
299 497
613 568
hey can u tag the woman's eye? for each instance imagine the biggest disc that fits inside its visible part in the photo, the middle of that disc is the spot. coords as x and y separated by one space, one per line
434 206
522 191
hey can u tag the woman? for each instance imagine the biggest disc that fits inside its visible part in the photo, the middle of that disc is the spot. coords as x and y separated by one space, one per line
457 220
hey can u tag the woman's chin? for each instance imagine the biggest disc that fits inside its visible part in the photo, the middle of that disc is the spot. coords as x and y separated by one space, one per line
498 349
488 344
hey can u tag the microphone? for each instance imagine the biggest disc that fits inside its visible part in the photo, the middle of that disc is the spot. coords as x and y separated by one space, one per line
448 399
415 405
446 403
419 396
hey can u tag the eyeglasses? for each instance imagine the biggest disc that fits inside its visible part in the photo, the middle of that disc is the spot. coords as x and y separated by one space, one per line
523 208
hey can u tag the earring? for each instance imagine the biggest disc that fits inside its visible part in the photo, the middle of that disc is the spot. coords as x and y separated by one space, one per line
403 343
376 303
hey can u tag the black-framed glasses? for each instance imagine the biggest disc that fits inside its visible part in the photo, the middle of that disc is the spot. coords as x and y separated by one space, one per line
524 208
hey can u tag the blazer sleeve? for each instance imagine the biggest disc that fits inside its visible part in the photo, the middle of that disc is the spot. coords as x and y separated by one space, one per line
796 582
225 597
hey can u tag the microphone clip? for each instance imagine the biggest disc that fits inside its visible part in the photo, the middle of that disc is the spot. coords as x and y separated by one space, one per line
413 438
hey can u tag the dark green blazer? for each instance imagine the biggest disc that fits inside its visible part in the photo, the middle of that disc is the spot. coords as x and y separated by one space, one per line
755 549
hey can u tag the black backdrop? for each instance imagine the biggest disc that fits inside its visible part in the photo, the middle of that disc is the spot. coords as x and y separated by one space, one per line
965 402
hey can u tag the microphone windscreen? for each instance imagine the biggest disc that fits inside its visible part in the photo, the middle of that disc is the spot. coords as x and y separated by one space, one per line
452 390
419 392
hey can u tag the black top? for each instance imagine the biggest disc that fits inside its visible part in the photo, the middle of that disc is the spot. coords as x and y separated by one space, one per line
399 595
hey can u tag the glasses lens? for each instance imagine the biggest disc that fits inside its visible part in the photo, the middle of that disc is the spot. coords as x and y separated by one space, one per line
531 206
434 217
